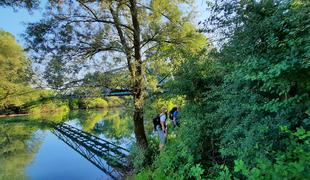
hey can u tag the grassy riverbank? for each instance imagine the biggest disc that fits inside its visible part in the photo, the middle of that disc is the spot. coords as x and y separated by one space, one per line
47 105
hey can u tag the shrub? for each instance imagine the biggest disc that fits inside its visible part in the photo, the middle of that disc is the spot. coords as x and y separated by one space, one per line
74 103
291 163
140 158
91 103
49 106
114 101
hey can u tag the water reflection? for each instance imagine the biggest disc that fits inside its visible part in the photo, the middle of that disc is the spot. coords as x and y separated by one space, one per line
114 124
21 138
56 117
88 119
108 157
18 146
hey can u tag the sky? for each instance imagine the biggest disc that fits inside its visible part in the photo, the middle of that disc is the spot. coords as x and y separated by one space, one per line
14 21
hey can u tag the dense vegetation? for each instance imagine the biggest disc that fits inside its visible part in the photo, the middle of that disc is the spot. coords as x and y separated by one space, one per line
15 77
244 99
247 105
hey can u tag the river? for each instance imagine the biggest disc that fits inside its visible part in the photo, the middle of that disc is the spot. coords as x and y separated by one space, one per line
31 147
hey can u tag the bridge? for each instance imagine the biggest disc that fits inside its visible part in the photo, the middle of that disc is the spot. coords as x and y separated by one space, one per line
106 156
127 91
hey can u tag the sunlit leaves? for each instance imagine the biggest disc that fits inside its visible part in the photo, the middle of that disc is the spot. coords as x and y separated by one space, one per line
246 92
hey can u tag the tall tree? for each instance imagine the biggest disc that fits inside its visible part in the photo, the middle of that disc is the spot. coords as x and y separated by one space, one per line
14 70
83 31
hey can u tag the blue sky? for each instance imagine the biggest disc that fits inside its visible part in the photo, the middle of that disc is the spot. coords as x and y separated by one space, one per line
14 21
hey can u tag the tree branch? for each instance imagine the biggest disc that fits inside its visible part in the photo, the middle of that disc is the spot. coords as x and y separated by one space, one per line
122 39
97 19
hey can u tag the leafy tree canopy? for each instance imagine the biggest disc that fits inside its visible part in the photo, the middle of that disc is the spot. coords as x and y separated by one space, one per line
29 4
76 35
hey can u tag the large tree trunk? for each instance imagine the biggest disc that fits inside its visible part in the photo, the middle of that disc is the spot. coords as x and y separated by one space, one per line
138 122
138 96
136 70
138 78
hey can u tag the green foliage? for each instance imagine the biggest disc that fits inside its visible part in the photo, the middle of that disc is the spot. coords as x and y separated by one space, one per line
55 73
265 86
15 73
18 147
14 64
29 4
90 103
196 172
14 68
246 114
49 106
291 163
143 158
73 103
114 101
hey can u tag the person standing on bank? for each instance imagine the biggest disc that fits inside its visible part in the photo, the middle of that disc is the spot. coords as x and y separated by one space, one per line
175 117
162 128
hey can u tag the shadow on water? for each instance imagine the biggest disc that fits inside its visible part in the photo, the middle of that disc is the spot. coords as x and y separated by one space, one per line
108 157
20 141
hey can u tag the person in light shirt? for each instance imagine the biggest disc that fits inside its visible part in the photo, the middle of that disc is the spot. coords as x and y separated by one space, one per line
162 128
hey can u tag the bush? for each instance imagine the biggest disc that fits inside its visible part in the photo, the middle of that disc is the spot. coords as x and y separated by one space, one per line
291 163
114 101
73 103
91 103
49 106
238 97
141 158
179 159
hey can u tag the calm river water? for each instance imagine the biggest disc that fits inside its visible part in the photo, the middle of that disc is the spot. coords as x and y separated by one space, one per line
33 149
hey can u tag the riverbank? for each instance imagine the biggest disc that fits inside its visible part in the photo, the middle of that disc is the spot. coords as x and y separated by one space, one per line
52 104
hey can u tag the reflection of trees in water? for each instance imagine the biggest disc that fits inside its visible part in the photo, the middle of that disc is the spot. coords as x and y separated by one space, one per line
115 123
92 119
18 145
55 117
88 119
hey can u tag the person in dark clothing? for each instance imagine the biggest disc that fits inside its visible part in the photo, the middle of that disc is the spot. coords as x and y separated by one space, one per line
173 115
